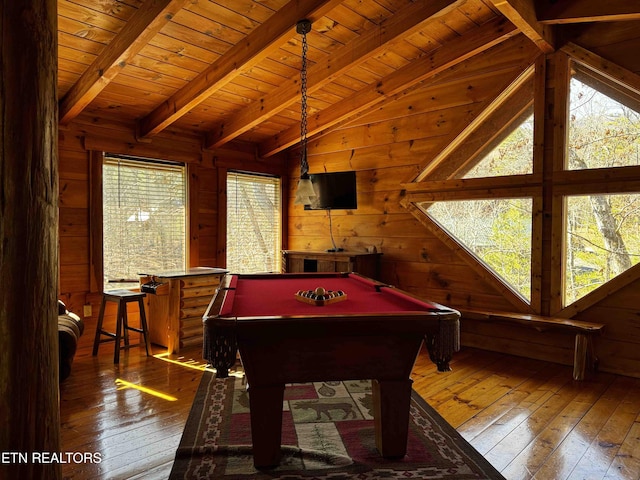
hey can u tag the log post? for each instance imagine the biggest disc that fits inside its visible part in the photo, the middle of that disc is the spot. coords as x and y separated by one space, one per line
29 393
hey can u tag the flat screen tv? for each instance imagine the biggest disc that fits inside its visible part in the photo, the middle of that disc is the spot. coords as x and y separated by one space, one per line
334 191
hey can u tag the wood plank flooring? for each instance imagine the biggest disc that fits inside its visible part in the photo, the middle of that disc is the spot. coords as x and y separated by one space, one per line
527 417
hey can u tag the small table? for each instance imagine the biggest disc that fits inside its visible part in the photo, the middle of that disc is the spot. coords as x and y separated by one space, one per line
375 334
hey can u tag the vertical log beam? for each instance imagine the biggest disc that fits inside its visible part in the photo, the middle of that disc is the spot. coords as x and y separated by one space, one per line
96 272
539 118
555 141
221 251
29 403
193 190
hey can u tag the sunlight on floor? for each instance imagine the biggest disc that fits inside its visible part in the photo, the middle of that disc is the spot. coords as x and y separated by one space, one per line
236 371
184 362
122 384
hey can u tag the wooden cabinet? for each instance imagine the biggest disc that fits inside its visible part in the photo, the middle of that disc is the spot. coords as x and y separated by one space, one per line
367 264
175 310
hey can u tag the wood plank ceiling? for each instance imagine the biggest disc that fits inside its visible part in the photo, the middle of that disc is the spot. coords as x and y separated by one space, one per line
228 70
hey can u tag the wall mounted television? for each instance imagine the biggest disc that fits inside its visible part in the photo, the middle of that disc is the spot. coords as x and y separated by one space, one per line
334 191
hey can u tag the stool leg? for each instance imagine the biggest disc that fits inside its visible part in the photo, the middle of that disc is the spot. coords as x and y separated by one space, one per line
119 321
143 324
96 341
125 324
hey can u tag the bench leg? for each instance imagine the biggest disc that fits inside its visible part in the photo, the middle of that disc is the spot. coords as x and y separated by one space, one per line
592 359
580 356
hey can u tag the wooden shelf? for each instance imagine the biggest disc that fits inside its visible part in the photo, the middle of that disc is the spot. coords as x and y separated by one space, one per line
367 264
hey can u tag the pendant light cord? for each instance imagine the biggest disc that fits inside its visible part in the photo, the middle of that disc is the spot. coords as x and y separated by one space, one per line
333 242
303 27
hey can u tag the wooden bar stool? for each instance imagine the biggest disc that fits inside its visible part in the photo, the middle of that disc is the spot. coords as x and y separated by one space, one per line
121 297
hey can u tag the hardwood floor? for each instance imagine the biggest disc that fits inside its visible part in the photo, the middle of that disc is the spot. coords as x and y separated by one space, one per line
527 417
131 414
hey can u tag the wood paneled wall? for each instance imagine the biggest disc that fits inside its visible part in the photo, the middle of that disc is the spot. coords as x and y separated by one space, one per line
387 148
390 147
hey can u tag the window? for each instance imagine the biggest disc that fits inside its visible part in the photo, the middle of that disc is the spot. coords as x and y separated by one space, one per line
601 231
144 218
604 131
512 156
253 223
603 240
553 232
497 232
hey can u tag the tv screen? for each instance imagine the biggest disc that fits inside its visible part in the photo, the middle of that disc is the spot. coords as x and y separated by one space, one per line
334 191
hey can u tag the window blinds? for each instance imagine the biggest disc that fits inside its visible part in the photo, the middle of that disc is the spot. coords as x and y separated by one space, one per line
253 223
144 218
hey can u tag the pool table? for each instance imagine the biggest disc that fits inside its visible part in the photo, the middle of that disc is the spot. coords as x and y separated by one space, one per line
375 333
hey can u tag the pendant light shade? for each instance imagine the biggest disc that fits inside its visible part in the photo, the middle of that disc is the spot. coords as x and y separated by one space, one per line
305 192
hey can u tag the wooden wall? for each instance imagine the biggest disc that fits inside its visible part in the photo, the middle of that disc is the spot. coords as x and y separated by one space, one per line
388 148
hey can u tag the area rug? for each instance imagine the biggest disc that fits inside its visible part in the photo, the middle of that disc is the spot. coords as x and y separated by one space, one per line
327 433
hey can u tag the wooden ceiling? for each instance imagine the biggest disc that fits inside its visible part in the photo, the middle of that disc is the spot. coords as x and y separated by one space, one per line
229 70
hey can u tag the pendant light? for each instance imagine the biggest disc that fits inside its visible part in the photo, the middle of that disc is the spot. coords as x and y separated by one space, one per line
304 193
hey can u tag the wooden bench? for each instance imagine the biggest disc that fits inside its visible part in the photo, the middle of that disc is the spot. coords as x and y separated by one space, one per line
584 356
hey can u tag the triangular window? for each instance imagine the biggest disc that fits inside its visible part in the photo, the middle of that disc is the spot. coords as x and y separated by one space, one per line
497 232
512 156
604 124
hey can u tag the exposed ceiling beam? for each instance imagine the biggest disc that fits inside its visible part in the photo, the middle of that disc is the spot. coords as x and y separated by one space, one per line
455 51
145 23
367 45
256 46
522 14
588 11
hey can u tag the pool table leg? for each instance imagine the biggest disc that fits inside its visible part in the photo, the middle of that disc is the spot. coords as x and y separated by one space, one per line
265 403
391 400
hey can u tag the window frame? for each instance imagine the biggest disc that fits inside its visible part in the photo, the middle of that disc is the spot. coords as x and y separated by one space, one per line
592 181
549 186
282 208
96 214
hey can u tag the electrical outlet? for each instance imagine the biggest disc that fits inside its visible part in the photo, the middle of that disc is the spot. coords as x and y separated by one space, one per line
87 310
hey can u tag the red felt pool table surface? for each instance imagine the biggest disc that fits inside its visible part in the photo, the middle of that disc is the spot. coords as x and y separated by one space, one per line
274 295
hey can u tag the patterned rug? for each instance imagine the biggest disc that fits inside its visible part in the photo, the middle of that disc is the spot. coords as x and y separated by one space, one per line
327 433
